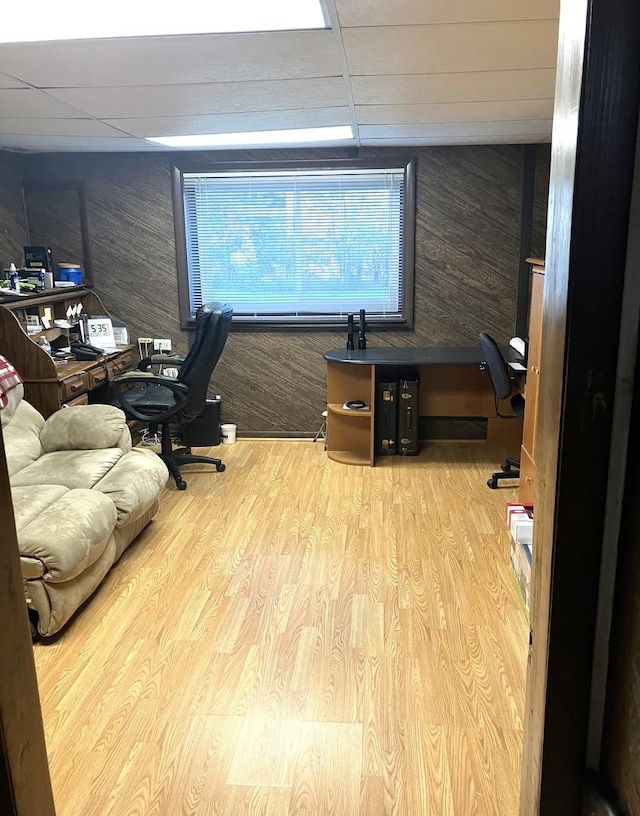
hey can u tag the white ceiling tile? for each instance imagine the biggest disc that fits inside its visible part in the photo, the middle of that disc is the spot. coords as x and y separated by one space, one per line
75 143
419 12
455 112
230 123
451 48
477 86
30 103
538 128
454 139
174 60
55 127
219 97
422 72
9 82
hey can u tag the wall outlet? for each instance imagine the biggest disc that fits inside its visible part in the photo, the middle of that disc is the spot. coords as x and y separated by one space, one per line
162 345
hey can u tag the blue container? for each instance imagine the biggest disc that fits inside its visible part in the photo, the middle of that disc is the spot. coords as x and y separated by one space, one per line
70 272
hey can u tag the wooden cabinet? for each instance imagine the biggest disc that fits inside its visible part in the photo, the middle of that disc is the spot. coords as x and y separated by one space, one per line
527 453
49 385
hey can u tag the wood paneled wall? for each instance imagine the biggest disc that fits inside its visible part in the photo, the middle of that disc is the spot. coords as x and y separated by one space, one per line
13 229
467 242
540 202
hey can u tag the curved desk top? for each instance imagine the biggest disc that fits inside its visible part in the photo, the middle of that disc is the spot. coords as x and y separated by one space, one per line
440 355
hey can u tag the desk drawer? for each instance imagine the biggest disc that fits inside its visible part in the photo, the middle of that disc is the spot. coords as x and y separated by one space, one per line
122 363
83 399
98 377
72 386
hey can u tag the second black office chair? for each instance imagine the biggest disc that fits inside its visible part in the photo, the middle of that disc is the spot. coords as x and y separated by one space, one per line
165 401
503 386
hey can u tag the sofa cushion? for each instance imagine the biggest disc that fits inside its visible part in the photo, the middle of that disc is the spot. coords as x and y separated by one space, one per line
134 483
29 502
70 534
22 437
86 427
72 469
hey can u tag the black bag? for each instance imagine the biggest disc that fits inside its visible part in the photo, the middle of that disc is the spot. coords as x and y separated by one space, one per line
408 444
386 413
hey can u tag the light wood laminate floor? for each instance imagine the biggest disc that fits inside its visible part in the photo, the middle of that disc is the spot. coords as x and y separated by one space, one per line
297 636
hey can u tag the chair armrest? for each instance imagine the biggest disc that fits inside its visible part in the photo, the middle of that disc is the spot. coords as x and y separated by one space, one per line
159 359
121 385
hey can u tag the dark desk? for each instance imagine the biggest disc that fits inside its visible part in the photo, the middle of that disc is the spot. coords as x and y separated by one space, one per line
451 385
435 356
48 386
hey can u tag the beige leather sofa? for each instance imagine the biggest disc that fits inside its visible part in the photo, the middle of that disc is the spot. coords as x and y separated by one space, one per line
80 493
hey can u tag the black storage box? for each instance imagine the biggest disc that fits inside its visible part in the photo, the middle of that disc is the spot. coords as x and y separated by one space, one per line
204 430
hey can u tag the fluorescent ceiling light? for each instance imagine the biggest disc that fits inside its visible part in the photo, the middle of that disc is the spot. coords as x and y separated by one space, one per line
74 20
259 137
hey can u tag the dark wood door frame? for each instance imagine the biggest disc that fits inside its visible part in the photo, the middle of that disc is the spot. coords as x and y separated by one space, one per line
25 786
593 150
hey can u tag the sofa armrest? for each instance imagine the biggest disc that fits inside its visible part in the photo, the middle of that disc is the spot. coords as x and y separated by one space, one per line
86 427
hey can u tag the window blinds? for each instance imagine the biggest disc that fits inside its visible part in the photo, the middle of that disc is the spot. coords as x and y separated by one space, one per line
296 244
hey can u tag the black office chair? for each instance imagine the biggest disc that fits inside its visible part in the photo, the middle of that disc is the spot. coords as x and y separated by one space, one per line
165 401
503 386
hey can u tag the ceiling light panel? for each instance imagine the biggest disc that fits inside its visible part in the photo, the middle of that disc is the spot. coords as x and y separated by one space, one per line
234 123
42 20
265 138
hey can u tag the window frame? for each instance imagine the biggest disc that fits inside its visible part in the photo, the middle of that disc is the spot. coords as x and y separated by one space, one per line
404 323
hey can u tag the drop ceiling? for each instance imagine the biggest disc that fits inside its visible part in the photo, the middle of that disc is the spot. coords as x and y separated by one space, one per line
400 72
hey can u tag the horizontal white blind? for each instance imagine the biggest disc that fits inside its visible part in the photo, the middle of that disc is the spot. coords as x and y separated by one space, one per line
296 244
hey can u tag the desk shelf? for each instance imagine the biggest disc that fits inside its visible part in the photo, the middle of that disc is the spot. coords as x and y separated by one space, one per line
348 457
350 431
338 408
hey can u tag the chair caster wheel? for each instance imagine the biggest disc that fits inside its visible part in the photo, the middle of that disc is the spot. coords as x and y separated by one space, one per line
492 483
181 485
505 467
221 467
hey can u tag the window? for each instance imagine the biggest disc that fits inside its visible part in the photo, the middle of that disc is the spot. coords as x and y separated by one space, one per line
302 245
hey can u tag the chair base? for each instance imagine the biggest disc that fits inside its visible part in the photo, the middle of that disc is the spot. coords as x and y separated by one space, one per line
174 458
509 469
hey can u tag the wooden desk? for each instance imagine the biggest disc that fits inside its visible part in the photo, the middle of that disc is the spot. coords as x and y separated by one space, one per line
47 385
451 385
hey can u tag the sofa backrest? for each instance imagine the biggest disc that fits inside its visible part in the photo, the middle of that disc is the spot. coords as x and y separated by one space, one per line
22 437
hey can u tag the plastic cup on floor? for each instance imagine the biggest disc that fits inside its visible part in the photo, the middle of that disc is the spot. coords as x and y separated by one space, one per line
228 433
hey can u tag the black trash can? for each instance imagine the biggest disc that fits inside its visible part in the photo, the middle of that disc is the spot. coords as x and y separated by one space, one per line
204 430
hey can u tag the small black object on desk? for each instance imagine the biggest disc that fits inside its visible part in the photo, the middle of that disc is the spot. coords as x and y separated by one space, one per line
350 333
362 340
